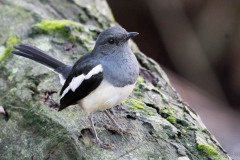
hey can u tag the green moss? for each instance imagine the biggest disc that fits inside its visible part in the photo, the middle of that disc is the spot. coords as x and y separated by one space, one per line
136 103
172 119
138 91
140 79
11 41
169 110
184 131
64 28
68 30
138 106
50 26
207 149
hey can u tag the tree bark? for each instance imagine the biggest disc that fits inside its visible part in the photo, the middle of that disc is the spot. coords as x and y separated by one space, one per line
162 125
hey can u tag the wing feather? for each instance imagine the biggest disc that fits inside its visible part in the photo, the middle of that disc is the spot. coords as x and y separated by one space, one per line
79 84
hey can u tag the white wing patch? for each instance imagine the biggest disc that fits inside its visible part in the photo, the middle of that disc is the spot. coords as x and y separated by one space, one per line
76 81
94 71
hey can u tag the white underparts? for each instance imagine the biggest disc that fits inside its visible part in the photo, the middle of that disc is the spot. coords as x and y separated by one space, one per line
76 81
104 97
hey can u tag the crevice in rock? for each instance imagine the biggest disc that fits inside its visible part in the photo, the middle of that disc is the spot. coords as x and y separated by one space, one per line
86 136
86 132
154 107
131 117
148 127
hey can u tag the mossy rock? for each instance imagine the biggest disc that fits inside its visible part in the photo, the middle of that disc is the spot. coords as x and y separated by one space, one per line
33 130
10 43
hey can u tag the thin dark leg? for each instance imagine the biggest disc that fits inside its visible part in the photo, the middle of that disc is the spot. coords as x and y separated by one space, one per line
98 141
117 127
110 117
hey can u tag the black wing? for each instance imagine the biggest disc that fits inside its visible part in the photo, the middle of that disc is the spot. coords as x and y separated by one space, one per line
86 86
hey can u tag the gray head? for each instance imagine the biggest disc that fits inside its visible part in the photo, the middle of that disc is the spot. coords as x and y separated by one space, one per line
113 38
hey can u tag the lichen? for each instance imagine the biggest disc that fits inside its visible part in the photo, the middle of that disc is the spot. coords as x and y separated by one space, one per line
170 113
68 30
11 41
138 106
209 151
138 87
136 103
172 119
138 92
184 131
169 110
50 26
140 79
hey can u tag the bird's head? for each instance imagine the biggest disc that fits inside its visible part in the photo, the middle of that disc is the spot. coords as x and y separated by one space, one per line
112 38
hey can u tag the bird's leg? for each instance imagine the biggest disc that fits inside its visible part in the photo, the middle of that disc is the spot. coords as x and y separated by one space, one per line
117 128
97 140
93 128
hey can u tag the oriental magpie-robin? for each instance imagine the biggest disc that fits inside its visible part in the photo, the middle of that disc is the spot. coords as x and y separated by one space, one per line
100 79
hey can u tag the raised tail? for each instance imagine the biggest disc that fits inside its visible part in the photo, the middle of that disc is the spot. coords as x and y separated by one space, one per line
40 56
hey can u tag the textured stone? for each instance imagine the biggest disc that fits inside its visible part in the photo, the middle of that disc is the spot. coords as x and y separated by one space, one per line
162 125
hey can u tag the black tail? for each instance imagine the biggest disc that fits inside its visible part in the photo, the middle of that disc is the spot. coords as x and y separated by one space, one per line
37 55
40 56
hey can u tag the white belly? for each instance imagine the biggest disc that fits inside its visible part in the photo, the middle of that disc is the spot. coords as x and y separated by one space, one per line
104 97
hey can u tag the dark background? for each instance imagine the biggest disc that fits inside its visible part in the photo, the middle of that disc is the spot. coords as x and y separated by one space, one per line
197 42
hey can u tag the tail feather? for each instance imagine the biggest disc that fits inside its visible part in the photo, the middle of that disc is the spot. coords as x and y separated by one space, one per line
38 56
20 53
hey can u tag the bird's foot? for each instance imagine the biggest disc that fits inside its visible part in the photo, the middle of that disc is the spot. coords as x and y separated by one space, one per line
118 130
103 145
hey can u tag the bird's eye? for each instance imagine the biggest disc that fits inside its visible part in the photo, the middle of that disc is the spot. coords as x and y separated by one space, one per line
111 40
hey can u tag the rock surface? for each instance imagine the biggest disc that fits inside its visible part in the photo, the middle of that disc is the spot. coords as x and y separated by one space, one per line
162 125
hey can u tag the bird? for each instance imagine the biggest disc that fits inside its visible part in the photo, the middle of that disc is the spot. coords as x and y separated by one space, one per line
99 80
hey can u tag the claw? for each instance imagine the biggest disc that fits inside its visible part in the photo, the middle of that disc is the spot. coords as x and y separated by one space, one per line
97 140
118 130
104 145
116 127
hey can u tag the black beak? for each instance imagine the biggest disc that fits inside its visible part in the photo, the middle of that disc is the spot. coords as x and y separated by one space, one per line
131 35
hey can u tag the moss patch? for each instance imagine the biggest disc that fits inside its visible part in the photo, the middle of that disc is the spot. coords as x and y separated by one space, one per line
55 25
68 30
140 79
169 110
62 27
138 92
138 106
209 151
11 41
169 114
172 119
